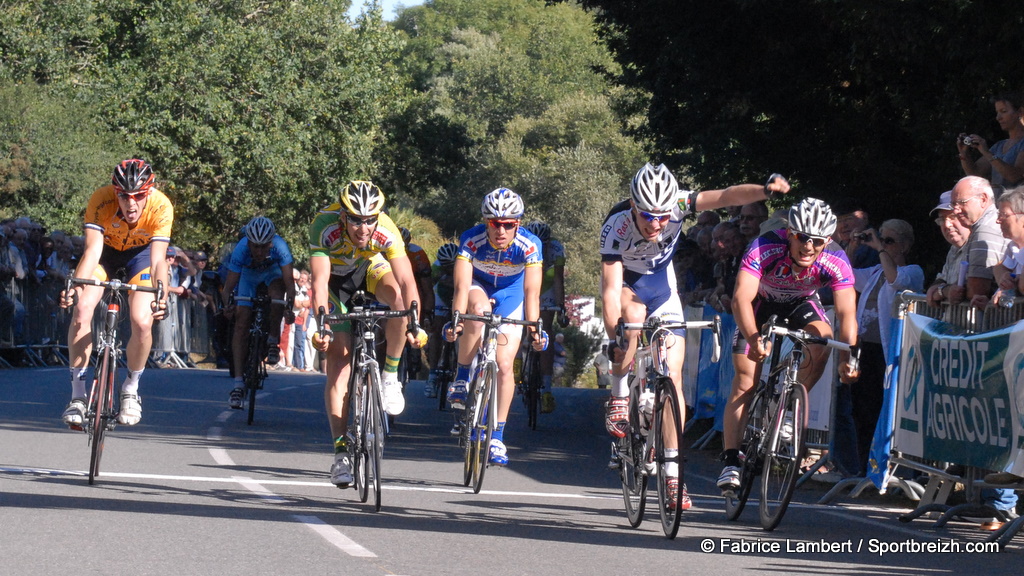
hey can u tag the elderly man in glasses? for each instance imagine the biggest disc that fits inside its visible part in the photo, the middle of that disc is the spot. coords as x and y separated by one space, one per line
127 232
638 240
974 204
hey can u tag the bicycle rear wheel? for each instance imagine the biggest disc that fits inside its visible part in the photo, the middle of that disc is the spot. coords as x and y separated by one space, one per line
485 423
632 452
749 446
668 429
102 405
783 455
531 390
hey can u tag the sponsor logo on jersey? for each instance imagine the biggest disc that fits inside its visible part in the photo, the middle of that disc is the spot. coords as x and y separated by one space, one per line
381 238
331 235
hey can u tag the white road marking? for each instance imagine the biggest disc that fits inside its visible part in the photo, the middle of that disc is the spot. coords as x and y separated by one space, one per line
332 535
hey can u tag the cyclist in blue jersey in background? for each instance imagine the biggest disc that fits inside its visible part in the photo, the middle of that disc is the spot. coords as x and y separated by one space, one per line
261 257
498 261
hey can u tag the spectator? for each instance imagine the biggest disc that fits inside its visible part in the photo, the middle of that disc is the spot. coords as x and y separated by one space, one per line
1003 163
877 287
603 365
1009 274
560 359
729 245
954 231
974 204
852 219
299 340
751 217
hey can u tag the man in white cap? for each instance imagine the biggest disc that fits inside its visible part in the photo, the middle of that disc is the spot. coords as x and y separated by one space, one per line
948 284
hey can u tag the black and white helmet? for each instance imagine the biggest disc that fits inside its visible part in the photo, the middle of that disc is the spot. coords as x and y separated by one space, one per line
654 189
540 230
502 203
812 217
260 230
362 198
446 254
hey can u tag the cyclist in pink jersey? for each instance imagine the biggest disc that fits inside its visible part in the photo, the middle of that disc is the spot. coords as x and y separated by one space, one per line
780 274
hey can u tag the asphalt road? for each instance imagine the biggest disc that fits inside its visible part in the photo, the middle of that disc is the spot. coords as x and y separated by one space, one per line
193 490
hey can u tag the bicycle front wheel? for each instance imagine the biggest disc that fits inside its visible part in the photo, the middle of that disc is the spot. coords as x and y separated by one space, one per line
373 440
783 455
359 396
749 445
668 430
102 405
632 454
251 376
485 422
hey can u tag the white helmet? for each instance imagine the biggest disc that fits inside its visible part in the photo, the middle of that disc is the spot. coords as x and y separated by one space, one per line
446 253
502 203
812 217
260 230
654 189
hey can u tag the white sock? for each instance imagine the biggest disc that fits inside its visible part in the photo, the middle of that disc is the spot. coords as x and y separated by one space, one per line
671 468
620 387
131 383
78 382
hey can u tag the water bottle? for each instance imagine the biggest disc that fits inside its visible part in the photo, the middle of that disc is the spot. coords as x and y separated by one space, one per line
646 411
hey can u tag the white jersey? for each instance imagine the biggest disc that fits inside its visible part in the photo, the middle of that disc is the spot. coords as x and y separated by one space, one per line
621 240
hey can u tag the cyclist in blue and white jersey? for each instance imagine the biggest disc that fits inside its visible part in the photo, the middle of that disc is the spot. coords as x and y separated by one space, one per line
261 257
638 240
501 262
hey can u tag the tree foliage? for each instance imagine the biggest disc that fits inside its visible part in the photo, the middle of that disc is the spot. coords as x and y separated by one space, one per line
510 94
256 106
859 99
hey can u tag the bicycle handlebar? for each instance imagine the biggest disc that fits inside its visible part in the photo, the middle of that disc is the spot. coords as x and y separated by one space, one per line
493 320
772 327
114 285
655 323
368 314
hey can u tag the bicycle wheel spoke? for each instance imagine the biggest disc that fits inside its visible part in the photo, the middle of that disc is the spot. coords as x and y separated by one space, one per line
750 468
374 440
632 453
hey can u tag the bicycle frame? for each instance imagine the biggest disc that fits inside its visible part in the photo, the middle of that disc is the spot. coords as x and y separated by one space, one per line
480 418
100 415
368 423
644 451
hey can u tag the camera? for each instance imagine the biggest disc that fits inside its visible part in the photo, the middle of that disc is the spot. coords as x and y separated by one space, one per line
862 236
968 141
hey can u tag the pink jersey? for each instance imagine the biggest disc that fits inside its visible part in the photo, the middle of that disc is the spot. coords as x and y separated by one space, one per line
768 259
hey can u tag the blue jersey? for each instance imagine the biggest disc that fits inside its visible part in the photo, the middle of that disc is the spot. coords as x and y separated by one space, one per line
241 257
499 268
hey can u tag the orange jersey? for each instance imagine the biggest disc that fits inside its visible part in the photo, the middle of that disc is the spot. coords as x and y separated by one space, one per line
103 214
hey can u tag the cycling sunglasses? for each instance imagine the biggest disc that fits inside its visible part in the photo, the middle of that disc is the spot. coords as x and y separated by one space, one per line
504 224
805 238
650 217
357 221
138 196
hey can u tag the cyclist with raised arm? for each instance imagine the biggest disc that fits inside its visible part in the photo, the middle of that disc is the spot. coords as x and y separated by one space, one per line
354 246
442 271
780 274
127 232
638 240
552 302
261 257
498 262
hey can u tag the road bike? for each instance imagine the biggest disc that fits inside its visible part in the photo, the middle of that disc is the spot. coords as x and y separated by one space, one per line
368 423
480 418
254 373
100 415
773 441
531 382
655 419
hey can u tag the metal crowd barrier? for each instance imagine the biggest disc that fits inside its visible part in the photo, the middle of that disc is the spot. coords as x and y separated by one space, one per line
37 333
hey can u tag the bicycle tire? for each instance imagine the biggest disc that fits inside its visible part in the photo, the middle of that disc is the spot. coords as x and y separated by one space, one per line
102 404
373 435
632 450
251 372
667 409
749 446
360 410
486 422
783 454
532 378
